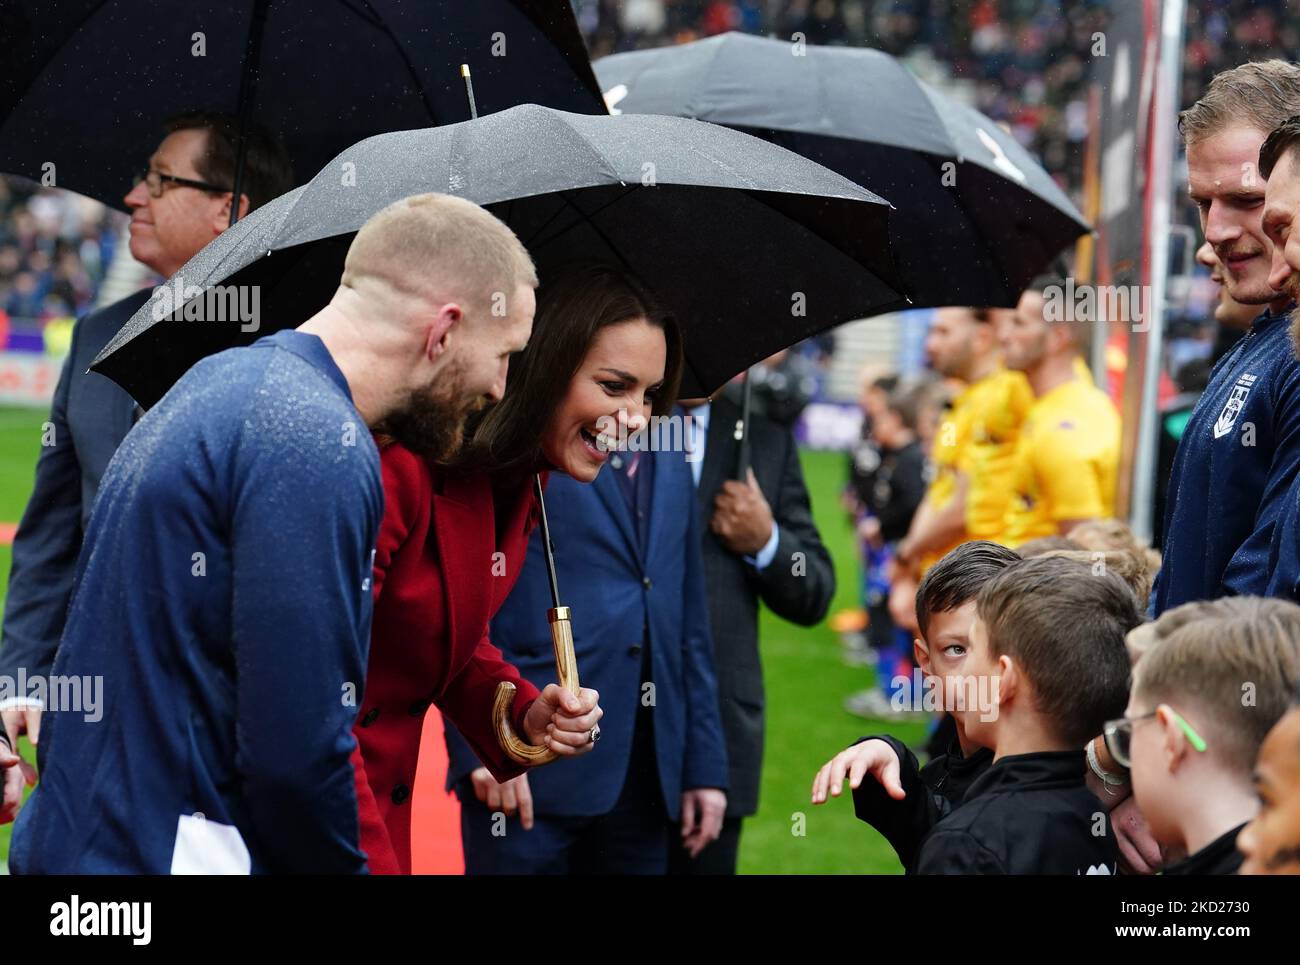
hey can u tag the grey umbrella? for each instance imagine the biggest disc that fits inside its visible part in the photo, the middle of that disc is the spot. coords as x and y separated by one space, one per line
976 216
754 248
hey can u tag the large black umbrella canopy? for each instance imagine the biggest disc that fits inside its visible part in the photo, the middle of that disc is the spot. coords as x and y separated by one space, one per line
751 246
86 84
974 232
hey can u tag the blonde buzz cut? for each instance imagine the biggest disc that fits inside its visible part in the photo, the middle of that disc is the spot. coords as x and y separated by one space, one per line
1234 660
439 247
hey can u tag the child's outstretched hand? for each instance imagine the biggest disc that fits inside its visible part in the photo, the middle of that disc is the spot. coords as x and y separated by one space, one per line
874 757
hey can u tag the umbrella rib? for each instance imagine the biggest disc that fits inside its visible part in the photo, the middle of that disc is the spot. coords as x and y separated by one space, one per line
594 227
585 217
383 28
53 55
531 240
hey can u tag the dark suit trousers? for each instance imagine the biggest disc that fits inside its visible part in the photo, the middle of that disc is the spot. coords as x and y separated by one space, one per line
631 839
717 858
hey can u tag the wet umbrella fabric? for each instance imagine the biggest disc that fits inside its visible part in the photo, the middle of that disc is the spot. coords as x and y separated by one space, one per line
752 247
977 217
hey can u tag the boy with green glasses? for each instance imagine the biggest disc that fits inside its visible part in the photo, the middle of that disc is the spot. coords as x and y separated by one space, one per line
1215 680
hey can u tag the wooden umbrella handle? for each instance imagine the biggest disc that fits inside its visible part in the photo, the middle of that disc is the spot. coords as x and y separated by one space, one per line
566 670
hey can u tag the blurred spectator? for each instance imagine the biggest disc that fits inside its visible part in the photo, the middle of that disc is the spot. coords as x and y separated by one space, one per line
784 384
889 494
54 249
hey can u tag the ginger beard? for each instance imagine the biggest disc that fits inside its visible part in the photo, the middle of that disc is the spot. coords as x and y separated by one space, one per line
1291 288
432 423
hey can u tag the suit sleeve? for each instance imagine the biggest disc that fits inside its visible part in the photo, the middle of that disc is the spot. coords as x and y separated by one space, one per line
798 590
904 824
705 761
955 852
46 548
1247 573
300 636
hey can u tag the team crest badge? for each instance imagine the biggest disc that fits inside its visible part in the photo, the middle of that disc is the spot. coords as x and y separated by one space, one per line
1232 408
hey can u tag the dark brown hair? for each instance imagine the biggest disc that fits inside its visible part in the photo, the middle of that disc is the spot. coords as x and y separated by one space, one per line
958 578
1064 625
571 310
268 173
1279 142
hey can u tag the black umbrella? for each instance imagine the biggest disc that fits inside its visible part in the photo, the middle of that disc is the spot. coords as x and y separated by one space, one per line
86 84
754 248
976 218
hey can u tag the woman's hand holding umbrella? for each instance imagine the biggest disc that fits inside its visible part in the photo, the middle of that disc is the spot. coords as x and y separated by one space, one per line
563 722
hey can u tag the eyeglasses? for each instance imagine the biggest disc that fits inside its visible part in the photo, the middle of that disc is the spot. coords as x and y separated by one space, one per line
1118 735
156 179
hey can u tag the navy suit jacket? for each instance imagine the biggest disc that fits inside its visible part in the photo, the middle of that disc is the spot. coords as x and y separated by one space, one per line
619 592
90 417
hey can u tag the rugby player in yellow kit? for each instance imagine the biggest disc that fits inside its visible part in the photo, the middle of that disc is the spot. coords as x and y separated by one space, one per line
974 449
1067 457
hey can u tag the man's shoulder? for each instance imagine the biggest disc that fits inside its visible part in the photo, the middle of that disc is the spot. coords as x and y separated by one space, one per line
122 309
1074 413
97 327
263 391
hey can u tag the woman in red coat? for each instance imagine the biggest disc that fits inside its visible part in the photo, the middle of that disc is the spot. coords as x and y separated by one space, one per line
454 537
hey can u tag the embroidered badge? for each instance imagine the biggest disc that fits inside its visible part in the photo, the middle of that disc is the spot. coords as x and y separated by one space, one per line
1232 408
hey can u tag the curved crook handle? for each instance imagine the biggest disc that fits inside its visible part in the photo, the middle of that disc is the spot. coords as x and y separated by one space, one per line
566 670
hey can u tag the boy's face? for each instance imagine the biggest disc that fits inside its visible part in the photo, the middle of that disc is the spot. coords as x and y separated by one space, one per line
884 426
873 402
1154 786
1271 842
944 653
983 669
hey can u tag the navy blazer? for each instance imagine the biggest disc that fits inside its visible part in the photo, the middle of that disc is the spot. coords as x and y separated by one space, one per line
615 588
90 416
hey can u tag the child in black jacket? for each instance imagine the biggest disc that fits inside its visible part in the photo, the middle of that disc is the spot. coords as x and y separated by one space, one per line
1051 632
903 800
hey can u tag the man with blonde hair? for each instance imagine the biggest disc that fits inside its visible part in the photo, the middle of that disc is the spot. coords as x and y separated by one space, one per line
224 598
1239 454
1215 679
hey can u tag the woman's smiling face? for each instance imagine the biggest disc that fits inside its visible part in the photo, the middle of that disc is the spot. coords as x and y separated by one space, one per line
611 394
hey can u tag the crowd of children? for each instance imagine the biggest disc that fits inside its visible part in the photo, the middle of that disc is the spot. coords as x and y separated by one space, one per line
1064 703
1073 736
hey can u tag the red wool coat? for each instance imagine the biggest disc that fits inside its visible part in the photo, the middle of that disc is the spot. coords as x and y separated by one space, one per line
436 585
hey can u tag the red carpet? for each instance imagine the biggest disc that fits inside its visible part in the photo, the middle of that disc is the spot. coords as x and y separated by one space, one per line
435 827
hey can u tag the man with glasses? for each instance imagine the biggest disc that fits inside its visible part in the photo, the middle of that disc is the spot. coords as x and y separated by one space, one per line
179 203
